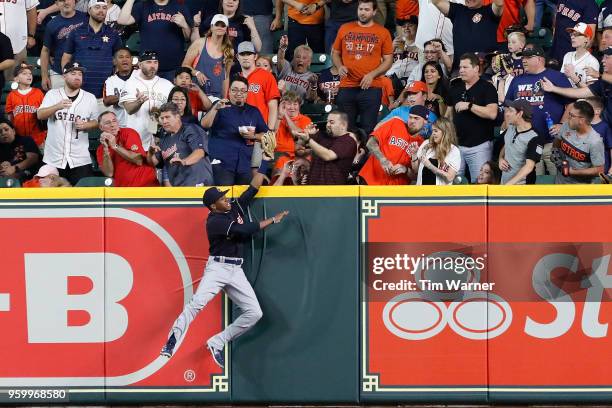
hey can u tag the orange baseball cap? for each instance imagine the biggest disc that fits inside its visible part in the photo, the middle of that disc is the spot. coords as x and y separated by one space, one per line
416 86
582 29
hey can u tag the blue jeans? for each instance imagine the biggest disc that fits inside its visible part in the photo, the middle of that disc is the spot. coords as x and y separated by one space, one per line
540 7
331 30
225 177
474 157
299 34
360 102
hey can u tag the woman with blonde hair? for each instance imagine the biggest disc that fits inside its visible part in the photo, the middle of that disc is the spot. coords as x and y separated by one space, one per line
438 158
210 58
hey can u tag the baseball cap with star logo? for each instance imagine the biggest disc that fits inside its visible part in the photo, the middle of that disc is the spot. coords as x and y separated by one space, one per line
73 66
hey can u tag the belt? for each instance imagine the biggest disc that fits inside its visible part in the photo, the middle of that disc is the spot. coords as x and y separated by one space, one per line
228 260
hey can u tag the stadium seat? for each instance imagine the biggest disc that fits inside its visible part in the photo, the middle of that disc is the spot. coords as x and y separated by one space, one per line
320 62
317 112
95 182
543 38
545 179
8 182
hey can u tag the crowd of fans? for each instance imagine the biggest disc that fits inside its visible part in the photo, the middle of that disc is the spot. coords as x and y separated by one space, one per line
418 91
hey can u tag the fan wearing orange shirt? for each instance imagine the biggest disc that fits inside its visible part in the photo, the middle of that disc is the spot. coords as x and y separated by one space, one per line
362 53
289 121
22 104
392 147
305 23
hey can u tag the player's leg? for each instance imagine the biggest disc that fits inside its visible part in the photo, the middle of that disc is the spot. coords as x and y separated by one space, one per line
215 277
242 295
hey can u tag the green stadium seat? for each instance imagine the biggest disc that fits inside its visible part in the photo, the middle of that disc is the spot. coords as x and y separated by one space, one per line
8 182
545 179
320 62
544 40
95 182
133 43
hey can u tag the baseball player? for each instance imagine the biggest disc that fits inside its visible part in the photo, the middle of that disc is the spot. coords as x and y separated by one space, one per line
144 93
227 229
18 22
70 113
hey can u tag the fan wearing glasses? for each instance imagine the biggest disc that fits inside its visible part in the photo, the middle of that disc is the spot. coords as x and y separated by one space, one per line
234 126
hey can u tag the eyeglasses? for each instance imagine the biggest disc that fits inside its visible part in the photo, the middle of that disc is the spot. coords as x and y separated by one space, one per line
239 91
571 115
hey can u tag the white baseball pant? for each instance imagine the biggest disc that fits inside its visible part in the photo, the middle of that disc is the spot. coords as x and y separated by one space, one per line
231 279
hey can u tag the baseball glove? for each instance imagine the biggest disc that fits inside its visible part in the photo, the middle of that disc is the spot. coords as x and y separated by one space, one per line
268 144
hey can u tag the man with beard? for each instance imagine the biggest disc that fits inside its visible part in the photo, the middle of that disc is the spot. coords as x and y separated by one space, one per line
114 86
296 74
234 127
392 147
182 152
529 87
70 113
333 151
144 93
93 45
362 53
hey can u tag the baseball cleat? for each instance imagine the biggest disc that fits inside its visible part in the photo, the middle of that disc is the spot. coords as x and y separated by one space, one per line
217 356
168 348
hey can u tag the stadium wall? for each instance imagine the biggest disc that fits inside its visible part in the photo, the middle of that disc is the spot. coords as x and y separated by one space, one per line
92 279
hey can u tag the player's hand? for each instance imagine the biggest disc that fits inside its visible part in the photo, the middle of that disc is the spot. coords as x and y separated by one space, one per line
42 14
110 138
154 149
462 106
249 22
279 217
276 24
590 71
311 129
64 104
141 97
547 85
45 82
308 9
197 19
283 43
201 77
179 20
281 110
80 124
342 71
398 169
176 159
554 130
31 42
387 166
221 103
287 168
504 165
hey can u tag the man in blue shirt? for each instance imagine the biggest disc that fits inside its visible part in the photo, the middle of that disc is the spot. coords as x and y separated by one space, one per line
56 34
93 45
529 86
234 127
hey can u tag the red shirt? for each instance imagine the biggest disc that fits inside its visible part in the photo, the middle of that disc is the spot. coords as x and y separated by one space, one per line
510 16
127 174
262 89
397 145
23 108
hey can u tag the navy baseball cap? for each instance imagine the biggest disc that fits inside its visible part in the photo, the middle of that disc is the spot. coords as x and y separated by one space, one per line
420 110
532 51
73 66
212 195
182 70
148 56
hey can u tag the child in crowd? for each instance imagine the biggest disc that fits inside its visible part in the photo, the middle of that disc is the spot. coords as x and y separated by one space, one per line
576 63
200 102
22 104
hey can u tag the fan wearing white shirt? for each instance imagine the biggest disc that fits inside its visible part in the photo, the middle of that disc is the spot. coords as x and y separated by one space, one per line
576 63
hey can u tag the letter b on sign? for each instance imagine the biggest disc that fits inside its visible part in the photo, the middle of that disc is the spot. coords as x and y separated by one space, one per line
48 300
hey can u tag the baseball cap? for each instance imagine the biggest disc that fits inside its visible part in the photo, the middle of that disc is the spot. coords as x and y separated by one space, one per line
582 29
219 17
607 51
182 70
148 55
212 195
532 51
73 66
21 67
420 110
95 2
246 46
46 170
521 105
416 86
410 20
